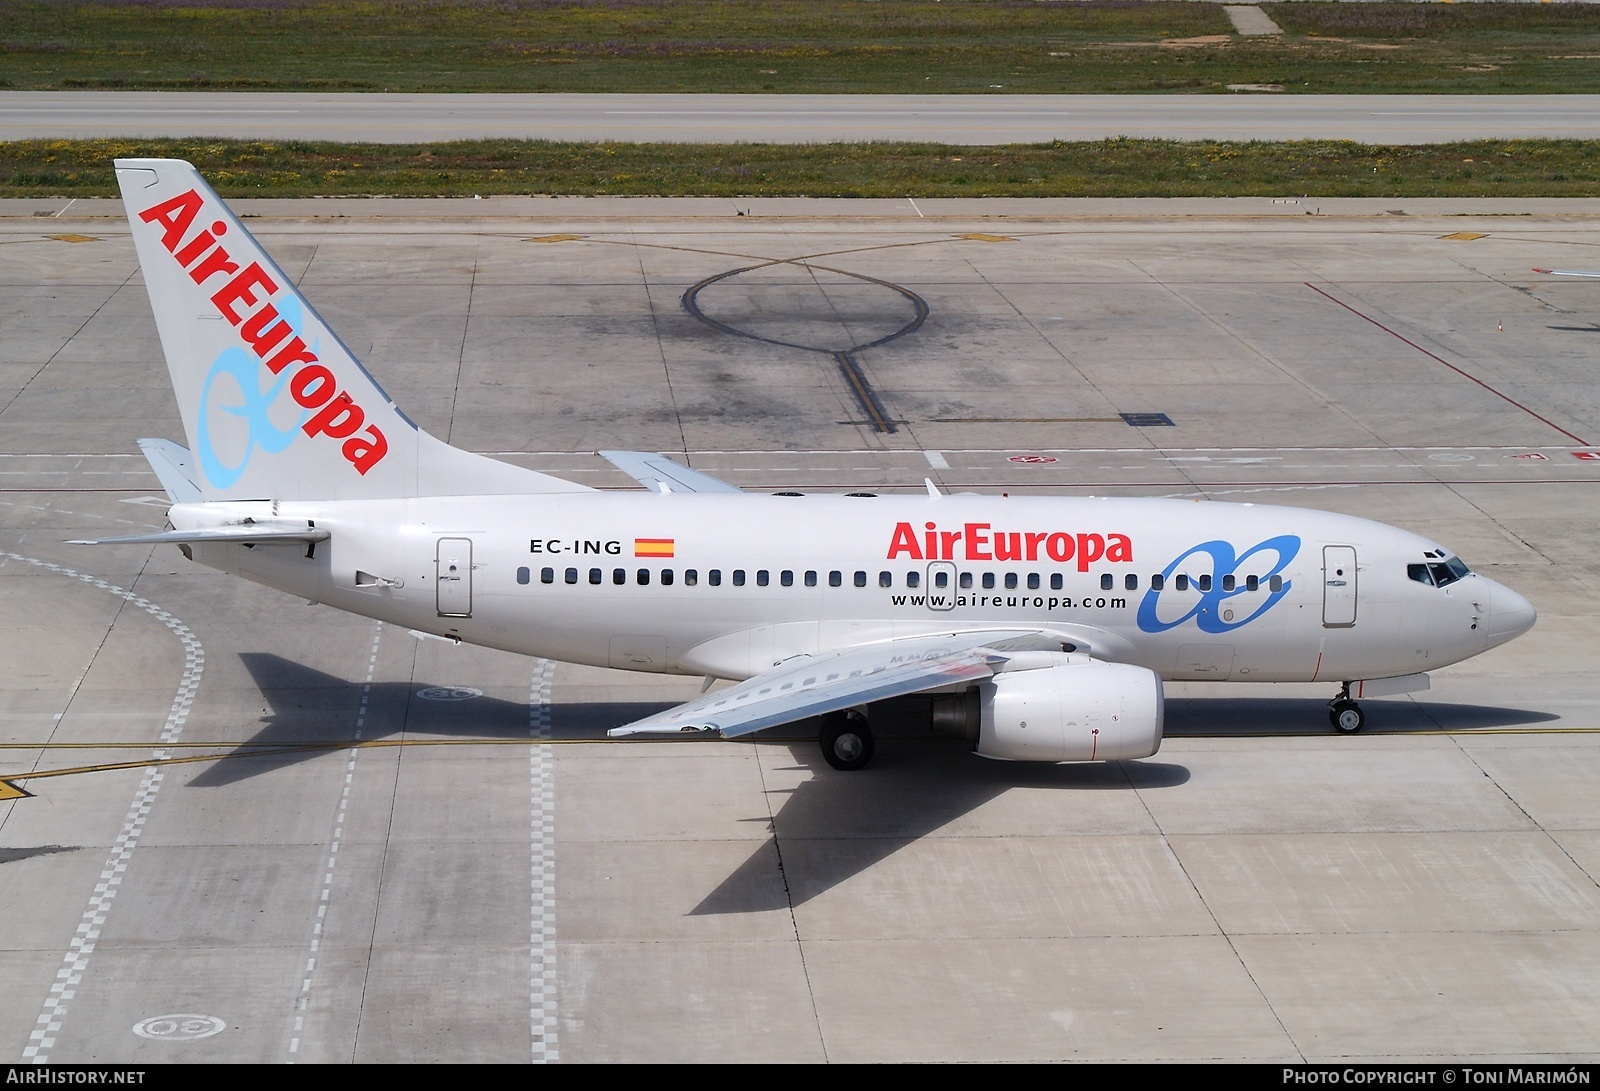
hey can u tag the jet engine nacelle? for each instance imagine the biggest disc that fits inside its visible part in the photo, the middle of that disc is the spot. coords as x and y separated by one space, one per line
1071 711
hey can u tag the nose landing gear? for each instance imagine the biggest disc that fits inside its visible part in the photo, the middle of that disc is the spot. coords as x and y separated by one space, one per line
846 740
1345 715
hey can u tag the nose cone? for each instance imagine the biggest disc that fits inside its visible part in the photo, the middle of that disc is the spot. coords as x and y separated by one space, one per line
1510 615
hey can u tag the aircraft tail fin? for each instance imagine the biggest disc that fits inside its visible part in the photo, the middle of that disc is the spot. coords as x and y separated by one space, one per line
274 405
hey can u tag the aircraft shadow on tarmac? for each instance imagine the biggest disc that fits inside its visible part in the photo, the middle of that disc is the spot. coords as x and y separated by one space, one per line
831 826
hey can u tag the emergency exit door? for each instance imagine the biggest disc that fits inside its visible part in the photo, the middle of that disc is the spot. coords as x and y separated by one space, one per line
453 577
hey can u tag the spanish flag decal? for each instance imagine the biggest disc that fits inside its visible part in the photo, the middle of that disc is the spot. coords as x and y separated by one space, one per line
653 547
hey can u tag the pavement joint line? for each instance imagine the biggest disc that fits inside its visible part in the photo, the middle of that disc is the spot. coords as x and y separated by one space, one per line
75 962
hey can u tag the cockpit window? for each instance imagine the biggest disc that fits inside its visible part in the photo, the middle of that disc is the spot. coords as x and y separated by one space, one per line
1439 573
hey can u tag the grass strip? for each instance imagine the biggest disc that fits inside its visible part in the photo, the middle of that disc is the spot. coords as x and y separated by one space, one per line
1107 168
794 46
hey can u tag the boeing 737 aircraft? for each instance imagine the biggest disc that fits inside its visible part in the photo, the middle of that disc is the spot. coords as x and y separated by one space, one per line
1041 628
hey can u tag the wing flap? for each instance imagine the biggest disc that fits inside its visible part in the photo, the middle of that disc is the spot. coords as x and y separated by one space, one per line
813 685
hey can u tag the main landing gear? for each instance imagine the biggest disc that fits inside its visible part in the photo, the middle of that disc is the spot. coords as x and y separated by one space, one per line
1345 715
846 740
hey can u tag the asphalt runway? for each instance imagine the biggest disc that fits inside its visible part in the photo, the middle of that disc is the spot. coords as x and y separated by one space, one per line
797 119
262 831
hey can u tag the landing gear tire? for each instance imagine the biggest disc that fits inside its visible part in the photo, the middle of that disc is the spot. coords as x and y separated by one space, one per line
846 740
1346 716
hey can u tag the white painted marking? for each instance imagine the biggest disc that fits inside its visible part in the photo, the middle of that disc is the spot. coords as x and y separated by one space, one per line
449 693
179 1028
76 960
542 1015
302 1002
936 460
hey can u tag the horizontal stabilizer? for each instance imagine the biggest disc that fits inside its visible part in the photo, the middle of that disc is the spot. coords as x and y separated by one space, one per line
174 468
242 533
660 474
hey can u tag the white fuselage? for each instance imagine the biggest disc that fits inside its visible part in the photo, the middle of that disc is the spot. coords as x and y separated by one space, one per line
728 585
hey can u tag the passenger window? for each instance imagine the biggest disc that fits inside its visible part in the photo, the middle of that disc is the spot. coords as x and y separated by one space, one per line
1252 583
572 575
738 577
690 577
861 579
1106 581
524 575
786 578
1227 582
1011 581
644 576
1204 582
885 579
1275 584
666 577
714 577
913 579
1157 582
1130 582
1033 581
1180 582
835 578
619 575
941 580
761 577
1055 581
966 580
595 575
547 575
811 579
988 581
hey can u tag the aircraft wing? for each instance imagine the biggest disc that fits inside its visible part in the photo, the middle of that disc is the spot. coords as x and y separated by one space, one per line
660 473
813 684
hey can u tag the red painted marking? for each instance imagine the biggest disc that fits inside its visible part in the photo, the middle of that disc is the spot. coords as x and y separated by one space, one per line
1588 456
1446 363
1034 460
1534 455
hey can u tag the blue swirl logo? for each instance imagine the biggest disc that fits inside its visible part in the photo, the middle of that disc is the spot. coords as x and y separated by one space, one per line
255 407
1208 611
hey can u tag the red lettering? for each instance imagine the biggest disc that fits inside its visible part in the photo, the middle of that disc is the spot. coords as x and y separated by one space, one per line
295 352
215 262
904 541
931 540
197 246
1059 546
242 289
339 418
1033 541
1091 547
1119 548
175 214
261 333
313 385
1008 546
947 544
977 542
364 453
